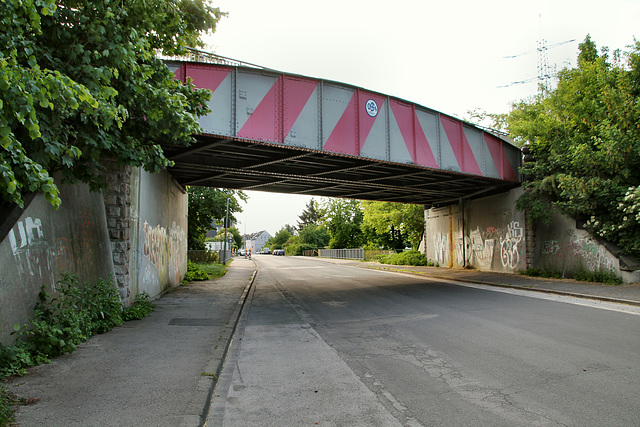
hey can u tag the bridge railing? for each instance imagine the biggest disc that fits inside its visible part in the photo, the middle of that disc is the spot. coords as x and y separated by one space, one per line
356 253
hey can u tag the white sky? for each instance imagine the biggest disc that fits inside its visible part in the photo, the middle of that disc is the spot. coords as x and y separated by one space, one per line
444 55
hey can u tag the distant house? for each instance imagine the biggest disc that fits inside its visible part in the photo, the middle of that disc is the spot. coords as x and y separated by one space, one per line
256 241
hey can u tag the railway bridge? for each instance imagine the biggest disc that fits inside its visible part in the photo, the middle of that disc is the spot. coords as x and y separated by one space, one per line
278 132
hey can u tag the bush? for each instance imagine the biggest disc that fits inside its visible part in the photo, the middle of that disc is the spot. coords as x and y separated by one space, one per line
60 323
600 276
412 257
205 256
194 272
75 313
7 400
141 307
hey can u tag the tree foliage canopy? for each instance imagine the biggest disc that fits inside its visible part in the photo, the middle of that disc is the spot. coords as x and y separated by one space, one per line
394 225
343 219
80 81
584 137
207 205
310 215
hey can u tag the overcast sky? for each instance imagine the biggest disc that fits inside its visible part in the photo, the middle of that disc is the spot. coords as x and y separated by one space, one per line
448 56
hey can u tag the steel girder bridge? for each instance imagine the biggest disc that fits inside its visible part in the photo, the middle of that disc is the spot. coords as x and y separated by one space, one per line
277 132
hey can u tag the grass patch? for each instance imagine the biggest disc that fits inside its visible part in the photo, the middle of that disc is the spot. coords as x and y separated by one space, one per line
214 270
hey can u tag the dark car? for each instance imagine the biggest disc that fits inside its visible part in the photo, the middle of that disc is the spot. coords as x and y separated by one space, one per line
278 251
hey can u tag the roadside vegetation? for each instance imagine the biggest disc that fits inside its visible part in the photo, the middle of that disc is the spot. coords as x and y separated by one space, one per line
581 141
60 323
412 257
598 276
199 271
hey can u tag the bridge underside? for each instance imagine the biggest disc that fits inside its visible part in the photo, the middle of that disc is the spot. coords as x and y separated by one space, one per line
225 162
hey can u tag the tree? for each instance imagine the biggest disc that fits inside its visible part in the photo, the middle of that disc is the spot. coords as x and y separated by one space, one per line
342 219
281 237
315 236
80 81
309 216
237 237
394 225
205 206
585 142
290 228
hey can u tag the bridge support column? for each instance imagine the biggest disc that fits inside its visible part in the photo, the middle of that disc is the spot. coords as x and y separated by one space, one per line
117 201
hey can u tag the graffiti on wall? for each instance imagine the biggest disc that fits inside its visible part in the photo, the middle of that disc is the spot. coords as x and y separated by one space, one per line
483 249
509 245
31 251
166 249
580 248
463 247
40 257
441 248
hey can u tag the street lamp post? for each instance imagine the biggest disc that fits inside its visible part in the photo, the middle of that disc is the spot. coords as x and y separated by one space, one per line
226 220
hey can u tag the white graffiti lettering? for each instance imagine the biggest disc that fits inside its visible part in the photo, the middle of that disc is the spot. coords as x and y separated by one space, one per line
509 250
441 248
482 249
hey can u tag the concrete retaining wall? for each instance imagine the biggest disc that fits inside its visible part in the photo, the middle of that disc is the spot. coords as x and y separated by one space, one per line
489 234
45 243
158 258
565 249
136 232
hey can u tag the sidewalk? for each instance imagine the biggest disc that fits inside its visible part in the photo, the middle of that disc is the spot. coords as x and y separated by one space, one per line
158 371
626 293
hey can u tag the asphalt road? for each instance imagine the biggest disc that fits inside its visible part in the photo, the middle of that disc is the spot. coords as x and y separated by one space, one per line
331 345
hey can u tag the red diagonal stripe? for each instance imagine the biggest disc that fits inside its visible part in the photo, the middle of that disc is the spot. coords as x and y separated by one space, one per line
296 94
343 136
207 77
460 145
262 124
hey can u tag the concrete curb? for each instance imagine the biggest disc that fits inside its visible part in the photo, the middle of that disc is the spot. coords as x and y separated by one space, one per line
211 375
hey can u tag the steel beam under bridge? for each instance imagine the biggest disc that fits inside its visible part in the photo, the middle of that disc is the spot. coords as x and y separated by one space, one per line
276 132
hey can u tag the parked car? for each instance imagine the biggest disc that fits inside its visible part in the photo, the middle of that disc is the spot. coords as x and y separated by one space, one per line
242 252
266 251
278 251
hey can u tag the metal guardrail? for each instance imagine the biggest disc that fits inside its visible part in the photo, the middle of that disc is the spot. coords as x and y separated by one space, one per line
356 253
196 55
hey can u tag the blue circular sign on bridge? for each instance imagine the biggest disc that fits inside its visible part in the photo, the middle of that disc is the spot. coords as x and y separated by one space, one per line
372 108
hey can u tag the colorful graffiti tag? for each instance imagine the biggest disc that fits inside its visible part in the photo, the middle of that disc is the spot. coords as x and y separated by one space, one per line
166 249
581 248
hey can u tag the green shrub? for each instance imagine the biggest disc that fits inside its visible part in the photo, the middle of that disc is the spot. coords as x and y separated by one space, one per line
194 272
205 256
600 276
7 400
75 313
214 270
141 307
412 257
60 323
